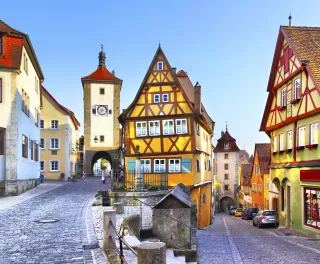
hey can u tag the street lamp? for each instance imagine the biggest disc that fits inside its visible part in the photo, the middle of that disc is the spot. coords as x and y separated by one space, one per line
95 139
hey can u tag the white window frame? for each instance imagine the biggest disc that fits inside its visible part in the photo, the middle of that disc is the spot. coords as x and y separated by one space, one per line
153 129
143 167
284 97
175 166
44 143
53 127
160 165
302 130
145 130
154 98
184 129
163 96
314 133
295 94
158 65
44 165
281 143
164 127
50 168
54 147
289 139
275 144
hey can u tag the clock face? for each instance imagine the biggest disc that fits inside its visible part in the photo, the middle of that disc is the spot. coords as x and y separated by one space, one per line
102 110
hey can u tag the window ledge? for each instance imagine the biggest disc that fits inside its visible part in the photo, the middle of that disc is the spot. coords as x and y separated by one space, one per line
300 147
295 101
274 152
280 151
312 146
287 150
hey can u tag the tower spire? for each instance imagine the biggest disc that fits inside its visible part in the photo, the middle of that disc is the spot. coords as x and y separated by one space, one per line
102 57
290 17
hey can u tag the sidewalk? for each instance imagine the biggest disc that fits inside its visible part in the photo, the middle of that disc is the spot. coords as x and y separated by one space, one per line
6 202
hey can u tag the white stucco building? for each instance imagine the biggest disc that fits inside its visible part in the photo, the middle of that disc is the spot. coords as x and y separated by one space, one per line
20 79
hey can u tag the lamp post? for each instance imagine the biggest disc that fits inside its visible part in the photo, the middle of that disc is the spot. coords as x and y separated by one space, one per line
95 139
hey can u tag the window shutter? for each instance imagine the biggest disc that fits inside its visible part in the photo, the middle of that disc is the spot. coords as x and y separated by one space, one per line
131 165
186 165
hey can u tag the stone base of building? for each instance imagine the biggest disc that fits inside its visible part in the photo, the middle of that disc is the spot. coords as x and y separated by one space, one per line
12 188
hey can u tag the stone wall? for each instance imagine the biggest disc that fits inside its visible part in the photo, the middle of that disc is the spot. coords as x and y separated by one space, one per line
18 187
176 234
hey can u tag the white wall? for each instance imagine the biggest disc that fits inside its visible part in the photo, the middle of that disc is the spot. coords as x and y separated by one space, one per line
102 125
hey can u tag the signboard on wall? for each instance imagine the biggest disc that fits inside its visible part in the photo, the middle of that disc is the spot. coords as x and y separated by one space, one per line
310 175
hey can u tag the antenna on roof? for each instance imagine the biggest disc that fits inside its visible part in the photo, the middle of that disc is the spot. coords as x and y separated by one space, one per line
290 17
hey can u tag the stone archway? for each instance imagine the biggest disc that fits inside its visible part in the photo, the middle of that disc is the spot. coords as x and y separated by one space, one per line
225 203
101 155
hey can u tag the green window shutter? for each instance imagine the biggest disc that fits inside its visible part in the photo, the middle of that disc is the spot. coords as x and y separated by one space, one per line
186 165
131 165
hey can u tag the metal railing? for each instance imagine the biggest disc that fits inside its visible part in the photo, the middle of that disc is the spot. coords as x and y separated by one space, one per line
121 242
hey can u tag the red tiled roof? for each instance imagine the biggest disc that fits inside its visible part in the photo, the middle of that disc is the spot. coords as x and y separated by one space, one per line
264 154
246 170
66 110
226 138
101 74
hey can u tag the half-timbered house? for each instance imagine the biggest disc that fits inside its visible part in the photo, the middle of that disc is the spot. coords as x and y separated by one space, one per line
173 131
291 120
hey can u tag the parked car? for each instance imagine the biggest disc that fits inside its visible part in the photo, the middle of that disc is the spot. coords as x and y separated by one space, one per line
232 211
238 212
249 213
266 217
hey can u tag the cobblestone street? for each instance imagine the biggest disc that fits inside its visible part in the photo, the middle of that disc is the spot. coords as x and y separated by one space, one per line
232 240
22 240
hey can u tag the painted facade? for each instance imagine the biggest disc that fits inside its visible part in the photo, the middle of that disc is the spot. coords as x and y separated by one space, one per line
59 135
245 176
101 110
291 119
20 102
173 131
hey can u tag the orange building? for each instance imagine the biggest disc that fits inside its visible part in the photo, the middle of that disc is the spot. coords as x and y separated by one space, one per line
260 170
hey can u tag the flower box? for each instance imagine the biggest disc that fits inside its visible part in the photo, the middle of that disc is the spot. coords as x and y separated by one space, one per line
282 108
274 152
299 147
311 146
295 101
287 150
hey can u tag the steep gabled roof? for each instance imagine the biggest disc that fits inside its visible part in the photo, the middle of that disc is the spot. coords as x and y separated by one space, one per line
64 109
101 74
226 138
264 153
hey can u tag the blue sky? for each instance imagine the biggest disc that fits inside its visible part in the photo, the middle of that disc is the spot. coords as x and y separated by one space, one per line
227 46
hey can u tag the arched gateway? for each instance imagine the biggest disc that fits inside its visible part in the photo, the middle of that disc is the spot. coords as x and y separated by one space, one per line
101 91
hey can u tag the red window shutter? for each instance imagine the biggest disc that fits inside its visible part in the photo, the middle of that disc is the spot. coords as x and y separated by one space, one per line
286 60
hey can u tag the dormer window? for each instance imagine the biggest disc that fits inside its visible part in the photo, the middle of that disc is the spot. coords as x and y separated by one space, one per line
159 65
226 145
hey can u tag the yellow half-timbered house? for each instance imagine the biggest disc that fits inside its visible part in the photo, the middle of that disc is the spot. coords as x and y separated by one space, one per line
173 131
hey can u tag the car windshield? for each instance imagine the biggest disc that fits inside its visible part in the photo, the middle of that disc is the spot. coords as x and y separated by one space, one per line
269 213
239 210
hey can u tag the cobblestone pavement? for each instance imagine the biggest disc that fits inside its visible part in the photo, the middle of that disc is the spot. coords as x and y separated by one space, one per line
22 240
232 240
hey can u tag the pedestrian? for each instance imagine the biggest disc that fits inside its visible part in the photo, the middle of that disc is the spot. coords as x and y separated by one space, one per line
103 176
83 174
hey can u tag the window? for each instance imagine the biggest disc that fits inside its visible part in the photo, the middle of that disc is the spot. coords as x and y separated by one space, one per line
297 89
311 207
54 165
141 129
94 110
25 63
204 198
174 165
145 165
24 146
314 130
156 98
36 151
226 176
198 129
259 188
168 127
226 156
226 166
198 165
23 100
253 187
284 97
289 140
54 143
181 126
282 198
159 65
42 143
2 139
27 105
209 165
275 143
0 85
205 165
36 84
281 142
165 98
226 145
54 124
42 124
101 138
159 165
110 111
41 165
31 149
302 136
101 90
256 169
36 116
226 187
154 128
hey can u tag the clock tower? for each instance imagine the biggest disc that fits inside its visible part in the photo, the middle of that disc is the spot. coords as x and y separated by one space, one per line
101 95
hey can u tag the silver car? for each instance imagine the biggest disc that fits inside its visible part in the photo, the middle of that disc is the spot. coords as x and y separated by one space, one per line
266 217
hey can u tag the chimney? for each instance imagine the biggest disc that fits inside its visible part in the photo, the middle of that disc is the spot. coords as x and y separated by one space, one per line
113 73
174 70
197 97
222 133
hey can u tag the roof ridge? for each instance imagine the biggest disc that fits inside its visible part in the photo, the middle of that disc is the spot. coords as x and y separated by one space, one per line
12 29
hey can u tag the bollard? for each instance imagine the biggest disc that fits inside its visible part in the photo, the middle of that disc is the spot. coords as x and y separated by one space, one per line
119 208
107 229
152 253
